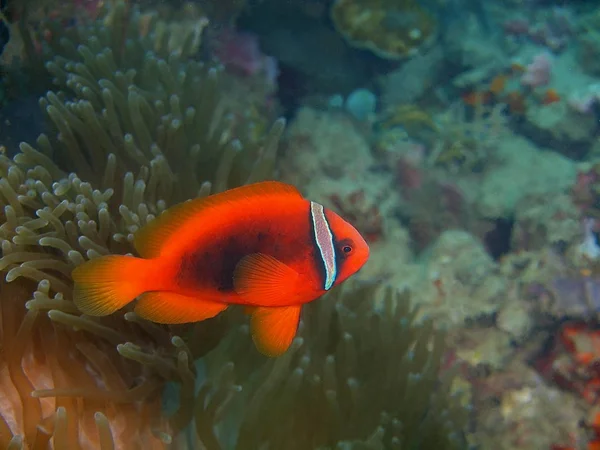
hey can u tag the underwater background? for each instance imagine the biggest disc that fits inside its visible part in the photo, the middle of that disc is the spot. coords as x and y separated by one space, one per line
460 137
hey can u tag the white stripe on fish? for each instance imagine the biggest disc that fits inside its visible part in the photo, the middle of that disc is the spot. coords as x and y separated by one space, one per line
324 241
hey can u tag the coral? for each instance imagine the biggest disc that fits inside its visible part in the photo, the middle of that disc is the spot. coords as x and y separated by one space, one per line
135 134
392 29
324 143
460 284
571 362
553 28
515 319
539 71
412 118
466 142
561 127
542 220
331 160
514 157
413 79
327 155
575 296
483 349
363 215
361 104
585 191
358 376
430 206
240 52
408 160
520 398
585 101
588 48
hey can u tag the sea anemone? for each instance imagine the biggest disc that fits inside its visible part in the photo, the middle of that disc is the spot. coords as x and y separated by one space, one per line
358 376
135 134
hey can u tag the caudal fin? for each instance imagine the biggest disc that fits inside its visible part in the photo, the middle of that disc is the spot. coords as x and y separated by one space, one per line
104 285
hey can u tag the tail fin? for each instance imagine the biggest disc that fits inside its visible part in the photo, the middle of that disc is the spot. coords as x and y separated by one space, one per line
106 284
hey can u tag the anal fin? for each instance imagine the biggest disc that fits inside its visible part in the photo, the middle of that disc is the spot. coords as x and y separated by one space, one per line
172 308
273 329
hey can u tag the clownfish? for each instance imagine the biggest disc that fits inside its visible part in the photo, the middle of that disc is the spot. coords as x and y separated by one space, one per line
263 246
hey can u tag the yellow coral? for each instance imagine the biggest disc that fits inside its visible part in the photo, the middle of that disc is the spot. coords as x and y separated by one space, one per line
392 29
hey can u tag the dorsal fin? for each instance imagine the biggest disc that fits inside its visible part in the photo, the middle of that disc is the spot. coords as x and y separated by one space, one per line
150 240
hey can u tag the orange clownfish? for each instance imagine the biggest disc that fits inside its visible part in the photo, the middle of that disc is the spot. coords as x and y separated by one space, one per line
263 246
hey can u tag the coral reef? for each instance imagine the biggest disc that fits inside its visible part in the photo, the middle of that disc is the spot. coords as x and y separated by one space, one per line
433 207
466 143
116 163
573 360
543 220
460 137
391 29
586 190
408 116
522 398
516 156
562 127
588 47
553 28
329 148
364 216
413 79
460 282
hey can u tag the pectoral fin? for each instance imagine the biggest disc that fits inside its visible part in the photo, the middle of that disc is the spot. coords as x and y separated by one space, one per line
273 329
265 281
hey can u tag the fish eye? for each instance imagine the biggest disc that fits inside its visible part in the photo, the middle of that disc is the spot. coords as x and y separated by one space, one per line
346 249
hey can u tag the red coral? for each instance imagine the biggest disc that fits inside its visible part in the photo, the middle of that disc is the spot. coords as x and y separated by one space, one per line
574 364
574 361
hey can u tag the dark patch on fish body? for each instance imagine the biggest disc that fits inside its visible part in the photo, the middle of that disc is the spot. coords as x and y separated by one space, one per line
213 265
